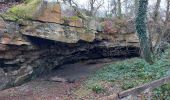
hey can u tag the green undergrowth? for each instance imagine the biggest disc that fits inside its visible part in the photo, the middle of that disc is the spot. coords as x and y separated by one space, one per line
132 72
162 93
25 10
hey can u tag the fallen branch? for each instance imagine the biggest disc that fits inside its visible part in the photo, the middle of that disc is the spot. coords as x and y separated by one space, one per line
138 90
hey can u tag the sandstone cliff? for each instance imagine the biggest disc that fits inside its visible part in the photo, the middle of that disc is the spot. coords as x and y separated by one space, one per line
29 48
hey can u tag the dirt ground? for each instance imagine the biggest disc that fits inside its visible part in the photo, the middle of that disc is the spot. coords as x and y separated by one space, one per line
44 89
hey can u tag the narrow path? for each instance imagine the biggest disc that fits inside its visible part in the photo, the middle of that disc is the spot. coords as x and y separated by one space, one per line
43 88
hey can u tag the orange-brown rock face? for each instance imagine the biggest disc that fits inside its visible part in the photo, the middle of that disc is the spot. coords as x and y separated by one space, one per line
49 12
76 23
57 32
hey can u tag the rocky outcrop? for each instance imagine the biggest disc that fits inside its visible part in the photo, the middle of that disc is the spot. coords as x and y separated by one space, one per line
29 48
52 31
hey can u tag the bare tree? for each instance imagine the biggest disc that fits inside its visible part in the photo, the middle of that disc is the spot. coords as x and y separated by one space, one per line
156 11
119 13
136 3
114 7
71 2
155 23
164 29
94 6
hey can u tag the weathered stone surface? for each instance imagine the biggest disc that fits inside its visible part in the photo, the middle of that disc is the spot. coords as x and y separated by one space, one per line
30 48
3 79
8 39
49 12
58 32
92 23
10 34
132 38
57 79
76 23
23 74
2 23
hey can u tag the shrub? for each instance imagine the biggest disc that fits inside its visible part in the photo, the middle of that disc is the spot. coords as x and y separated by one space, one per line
97 89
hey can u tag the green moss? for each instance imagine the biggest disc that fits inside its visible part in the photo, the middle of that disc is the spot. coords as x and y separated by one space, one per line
162 92
9 17
74 18
98 89
25 10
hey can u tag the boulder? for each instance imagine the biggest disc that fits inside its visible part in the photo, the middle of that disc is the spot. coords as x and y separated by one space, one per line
49 11
23 74
3 79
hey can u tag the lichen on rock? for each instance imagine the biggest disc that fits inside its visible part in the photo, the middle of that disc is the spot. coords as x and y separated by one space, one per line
25 10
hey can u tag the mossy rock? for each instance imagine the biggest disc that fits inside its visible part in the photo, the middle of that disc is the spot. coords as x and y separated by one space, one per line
26 10
74 18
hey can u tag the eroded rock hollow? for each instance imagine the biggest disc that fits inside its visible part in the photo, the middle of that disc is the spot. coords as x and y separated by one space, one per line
29 48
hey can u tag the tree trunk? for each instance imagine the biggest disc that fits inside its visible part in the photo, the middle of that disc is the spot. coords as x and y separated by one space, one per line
162 34
92 7
156 23
155 18
141 27
126 6
136 7
114 10
156 11
119 9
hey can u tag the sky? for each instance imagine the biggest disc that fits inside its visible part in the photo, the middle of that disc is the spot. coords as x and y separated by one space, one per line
163 3
103 9
151 2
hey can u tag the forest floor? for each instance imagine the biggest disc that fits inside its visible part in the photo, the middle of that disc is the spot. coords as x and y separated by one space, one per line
43 88
93 79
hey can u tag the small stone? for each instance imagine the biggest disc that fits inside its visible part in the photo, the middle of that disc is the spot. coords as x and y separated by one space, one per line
71 80
57 79
3 79
111 97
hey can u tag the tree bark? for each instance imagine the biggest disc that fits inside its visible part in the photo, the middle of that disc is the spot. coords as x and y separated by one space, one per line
162 34
119 9
141 28
156 11
136 7
156 23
